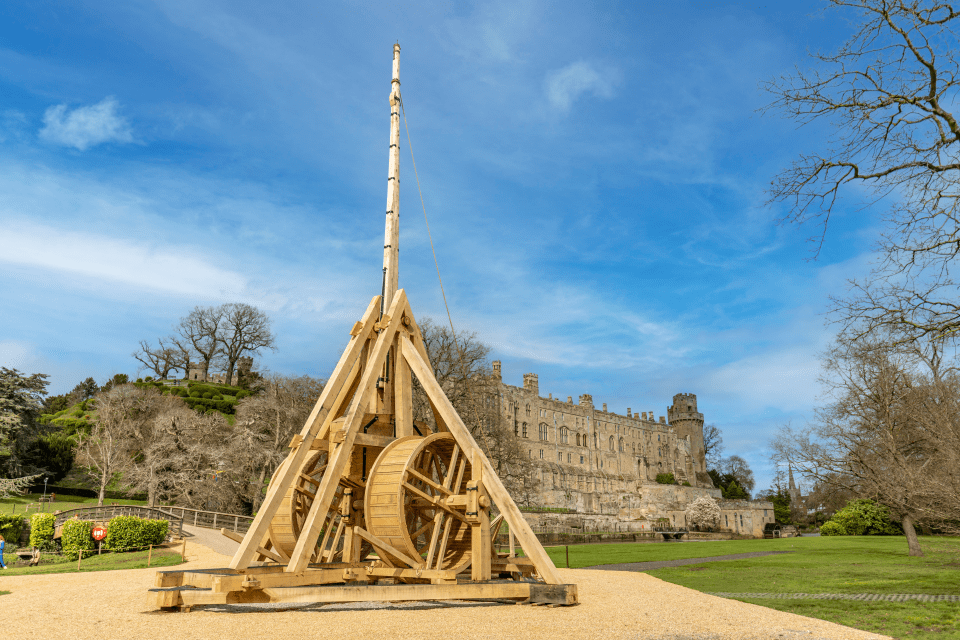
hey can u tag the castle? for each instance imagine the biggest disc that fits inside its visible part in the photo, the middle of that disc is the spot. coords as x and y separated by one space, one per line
198 371
603 466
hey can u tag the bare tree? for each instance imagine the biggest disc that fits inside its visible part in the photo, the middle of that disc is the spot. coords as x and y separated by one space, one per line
889 93
265 425
200 333
891 432
712 446
245 330
104 452
164 358
737 467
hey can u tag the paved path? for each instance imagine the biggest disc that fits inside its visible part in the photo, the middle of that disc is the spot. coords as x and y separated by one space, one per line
867 597
649 566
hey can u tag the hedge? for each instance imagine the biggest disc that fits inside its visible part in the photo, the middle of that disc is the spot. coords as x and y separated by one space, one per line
830 528
11 528
41 530
76 536
130 532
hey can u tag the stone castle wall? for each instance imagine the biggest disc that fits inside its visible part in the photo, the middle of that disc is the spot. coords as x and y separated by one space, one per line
603 466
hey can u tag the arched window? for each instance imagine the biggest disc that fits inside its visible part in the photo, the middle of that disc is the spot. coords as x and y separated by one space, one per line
621 445
528 410
543 431
612 444
564 435
578 439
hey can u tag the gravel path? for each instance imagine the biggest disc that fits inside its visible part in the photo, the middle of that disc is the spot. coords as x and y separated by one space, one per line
660 564
116 604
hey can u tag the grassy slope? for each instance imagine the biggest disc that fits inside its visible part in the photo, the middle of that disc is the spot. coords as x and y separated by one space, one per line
107 562
17 504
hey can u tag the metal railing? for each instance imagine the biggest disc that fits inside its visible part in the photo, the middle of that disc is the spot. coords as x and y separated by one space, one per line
105 513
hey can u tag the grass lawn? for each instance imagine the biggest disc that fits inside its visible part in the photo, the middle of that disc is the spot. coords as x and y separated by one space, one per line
17 504
817 565
107 562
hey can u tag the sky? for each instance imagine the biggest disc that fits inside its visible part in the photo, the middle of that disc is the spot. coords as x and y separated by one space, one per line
594 176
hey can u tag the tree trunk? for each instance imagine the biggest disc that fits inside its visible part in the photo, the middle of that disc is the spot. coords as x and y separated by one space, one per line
104 478
911 534
258 493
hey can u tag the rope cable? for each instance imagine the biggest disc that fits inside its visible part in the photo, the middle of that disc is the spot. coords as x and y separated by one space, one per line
436 263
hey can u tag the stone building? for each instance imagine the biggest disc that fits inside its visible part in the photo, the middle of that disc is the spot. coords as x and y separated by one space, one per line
603 465
198 371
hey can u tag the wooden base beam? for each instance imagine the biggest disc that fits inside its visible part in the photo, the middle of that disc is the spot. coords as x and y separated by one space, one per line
561 594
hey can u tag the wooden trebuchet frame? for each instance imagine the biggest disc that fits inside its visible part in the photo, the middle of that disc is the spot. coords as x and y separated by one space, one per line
370 506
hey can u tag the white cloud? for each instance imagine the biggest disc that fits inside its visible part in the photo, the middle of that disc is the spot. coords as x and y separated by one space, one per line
85 126
175 270
566 85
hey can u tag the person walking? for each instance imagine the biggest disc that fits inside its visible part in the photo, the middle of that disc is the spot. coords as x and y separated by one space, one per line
2 544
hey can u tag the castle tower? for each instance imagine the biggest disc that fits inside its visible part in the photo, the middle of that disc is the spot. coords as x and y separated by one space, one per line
688 423
530 383
197 371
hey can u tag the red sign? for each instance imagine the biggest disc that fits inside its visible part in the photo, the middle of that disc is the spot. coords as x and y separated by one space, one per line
99 533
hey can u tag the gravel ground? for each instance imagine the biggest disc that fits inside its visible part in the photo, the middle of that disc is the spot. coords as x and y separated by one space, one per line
660 564
115 604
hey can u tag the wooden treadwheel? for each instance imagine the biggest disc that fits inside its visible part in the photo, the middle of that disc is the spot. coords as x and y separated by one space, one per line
287 523
405 485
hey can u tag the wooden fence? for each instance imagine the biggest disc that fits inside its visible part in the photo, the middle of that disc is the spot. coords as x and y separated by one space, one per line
105 513
211 519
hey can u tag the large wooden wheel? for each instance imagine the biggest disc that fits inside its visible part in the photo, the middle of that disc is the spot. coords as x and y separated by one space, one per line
287 523
405 485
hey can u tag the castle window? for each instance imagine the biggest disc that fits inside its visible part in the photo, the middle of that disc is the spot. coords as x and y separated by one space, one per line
559 456
564 435
612 444
581 462
596 441
541 454
516 428
568 457
578 439
528 410
524 432
544 432
621 445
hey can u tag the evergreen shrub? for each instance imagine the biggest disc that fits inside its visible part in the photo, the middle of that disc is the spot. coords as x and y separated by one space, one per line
11 527
666 478
831 528
865 518
41 530
128 533
76 536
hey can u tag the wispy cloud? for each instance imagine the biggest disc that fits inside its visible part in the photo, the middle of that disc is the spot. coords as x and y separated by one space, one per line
564 86
175 270
85 127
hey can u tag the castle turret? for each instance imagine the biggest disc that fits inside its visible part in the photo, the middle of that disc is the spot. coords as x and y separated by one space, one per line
688 423
530 383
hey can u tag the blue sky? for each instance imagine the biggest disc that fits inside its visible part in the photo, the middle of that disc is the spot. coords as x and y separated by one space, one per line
594 176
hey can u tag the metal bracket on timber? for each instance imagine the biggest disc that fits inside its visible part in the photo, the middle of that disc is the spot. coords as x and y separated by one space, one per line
368 504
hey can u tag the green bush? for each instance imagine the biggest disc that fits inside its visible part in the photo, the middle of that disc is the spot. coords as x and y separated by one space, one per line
866 518
242 394
75 536
130 532
686 484
148 379
831 528
41 530
666 478
11 527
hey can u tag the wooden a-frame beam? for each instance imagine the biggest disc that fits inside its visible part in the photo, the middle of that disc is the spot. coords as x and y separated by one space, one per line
496 490
291 466
338 458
